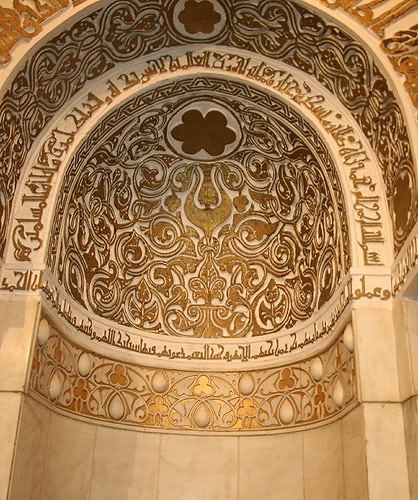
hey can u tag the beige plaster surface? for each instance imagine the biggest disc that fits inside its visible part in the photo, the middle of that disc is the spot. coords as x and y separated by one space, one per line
323 463
410 310
30 460
376 351
9 416
201 467
410 413
126 464
18 317
354 457
68 459
386 451
59 458
271 467
405 321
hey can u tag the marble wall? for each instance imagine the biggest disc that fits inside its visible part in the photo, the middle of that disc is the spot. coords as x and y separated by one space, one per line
58 458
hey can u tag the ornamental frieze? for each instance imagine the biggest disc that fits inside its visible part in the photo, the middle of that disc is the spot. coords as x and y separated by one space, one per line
107 338
99 41
82 383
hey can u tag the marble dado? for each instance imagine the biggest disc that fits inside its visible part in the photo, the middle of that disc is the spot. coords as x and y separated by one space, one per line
299 394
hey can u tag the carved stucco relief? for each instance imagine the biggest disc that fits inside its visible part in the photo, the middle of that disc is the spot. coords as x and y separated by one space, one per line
125 31
203 207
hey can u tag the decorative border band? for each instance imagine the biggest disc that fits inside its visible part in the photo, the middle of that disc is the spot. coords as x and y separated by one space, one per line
302 393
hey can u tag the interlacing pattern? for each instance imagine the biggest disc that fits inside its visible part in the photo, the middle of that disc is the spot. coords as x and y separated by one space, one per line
126 30
217 214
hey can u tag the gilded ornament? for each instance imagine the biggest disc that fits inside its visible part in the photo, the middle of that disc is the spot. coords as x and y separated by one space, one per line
247 413
268 399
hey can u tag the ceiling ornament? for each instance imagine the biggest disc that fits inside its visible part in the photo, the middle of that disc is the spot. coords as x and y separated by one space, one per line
314 391
205 208
125 31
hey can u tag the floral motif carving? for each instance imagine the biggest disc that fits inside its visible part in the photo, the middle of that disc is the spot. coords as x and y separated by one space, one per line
245 245
125 31
279 398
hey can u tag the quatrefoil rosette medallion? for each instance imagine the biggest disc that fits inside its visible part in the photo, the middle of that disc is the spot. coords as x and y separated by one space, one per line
204 131
198 19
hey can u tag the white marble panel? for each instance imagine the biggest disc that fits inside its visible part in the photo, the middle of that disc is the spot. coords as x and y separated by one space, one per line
198 468
271 467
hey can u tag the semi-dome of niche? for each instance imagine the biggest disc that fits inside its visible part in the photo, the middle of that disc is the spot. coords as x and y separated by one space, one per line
201 208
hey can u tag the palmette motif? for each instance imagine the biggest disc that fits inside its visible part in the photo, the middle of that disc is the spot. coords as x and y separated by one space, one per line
204 216
302 393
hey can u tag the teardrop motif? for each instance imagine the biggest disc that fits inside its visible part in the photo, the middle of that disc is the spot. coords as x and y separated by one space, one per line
55 386
338 393
348 337
44 331
116 407
286 412
317 369
160 382
246 384
202 416
84 364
